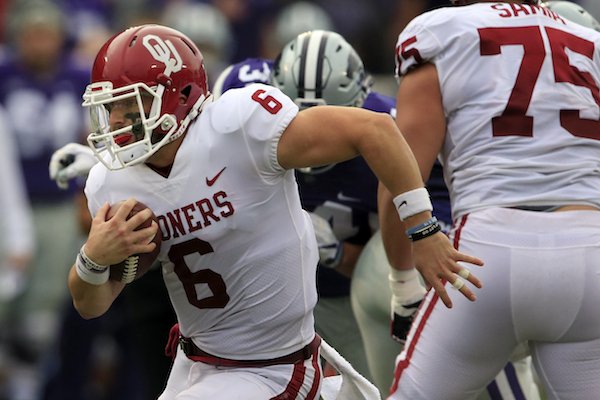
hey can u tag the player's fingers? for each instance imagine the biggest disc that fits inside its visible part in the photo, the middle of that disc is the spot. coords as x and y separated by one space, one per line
459 284
464 273
467 275
53 168
102 211
143 248
66 174
62 183
145 235
139 218
468 258
125 209
55 164
441 291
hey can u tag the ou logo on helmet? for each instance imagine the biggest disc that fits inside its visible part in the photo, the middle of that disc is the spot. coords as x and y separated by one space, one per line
163 51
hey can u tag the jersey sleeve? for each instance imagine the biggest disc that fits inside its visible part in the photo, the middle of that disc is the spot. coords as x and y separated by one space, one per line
92 189
418 43
260 113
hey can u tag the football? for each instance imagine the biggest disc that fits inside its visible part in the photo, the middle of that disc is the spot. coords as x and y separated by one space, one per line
136 265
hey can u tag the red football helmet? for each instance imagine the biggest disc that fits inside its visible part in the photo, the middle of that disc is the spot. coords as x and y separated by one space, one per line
150 61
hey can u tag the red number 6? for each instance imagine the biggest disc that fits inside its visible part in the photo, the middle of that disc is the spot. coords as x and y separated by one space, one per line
269 103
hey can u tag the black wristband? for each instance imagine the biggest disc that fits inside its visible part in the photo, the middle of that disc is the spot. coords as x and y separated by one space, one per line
428 230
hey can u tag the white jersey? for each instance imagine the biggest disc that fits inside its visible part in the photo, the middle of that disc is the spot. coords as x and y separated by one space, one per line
538 75
238 254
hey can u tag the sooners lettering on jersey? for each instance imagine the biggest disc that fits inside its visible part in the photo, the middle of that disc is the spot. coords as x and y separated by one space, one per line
524 71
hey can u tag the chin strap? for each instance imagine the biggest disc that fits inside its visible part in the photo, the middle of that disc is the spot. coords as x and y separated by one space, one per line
194 112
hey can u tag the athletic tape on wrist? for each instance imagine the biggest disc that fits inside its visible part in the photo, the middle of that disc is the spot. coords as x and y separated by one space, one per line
90 271
406 289
403 275
412 203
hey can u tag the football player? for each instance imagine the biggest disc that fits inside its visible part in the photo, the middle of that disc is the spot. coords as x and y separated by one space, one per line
511 108
342 199
316 68
238 252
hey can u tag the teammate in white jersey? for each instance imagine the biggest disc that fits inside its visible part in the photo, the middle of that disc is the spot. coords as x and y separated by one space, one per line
238 253
507 94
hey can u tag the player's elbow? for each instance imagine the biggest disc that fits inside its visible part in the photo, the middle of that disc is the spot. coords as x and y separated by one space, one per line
89 309
379 130
86 314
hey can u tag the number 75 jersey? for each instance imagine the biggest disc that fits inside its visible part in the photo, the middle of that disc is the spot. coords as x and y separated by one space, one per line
520 89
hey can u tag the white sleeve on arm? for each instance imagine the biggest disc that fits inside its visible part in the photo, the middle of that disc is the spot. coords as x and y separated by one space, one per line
417 44
261 113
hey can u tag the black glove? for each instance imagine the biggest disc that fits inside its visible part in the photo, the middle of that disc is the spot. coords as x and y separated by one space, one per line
401 325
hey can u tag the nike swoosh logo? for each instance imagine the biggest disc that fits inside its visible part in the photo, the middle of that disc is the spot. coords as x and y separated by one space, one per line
342 197
210 182
404 203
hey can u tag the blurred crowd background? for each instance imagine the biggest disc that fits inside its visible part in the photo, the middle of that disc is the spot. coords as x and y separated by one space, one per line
46 50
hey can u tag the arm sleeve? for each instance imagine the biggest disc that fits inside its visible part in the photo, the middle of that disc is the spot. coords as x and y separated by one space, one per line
417 44
261 113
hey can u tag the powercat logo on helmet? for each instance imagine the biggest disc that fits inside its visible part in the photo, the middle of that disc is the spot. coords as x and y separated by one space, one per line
163 51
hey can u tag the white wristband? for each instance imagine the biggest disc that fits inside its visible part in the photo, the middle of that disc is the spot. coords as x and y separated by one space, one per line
406 288
90 271
412 203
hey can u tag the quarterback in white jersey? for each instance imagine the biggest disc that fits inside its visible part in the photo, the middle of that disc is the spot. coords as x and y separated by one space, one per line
511 93
238 253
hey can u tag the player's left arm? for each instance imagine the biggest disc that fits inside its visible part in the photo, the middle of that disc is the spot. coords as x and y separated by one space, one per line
331 134
424 132
327 134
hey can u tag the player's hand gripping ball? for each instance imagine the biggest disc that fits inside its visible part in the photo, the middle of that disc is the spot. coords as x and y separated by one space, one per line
136 265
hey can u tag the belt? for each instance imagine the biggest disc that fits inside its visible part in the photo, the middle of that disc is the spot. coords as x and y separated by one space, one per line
194 353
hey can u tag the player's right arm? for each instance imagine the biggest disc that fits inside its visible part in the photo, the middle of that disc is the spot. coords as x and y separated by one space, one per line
109 242
327 134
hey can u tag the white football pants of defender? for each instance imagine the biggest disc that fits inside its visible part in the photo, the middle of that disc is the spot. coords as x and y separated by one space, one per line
190 380
540 284
371 297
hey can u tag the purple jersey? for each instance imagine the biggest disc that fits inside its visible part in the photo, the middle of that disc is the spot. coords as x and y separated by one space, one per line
251 70
43 115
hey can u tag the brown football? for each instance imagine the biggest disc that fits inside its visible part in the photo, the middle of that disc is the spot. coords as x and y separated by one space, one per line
136 265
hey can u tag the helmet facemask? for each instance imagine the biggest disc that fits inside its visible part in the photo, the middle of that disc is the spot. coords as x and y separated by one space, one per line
131 143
